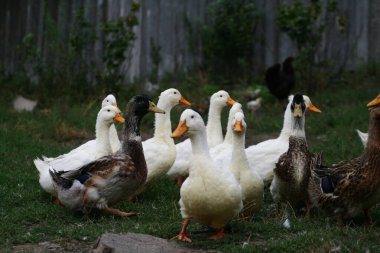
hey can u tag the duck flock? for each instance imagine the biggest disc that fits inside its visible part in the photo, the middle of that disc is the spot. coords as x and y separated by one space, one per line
219 178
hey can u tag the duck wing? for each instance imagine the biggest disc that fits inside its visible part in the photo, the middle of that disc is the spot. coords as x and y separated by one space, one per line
103 167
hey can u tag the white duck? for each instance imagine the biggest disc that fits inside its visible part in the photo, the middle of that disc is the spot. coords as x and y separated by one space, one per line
93 149
160 150
264 155
114 138
211 195
251 184
221 153
214 131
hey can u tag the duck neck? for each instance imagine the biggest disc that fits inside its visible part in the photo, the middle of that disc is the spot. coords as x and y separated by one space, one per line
228 139
199 144
287 125
214 126
102 135
239 159
163 126
131 132
298 127
373 133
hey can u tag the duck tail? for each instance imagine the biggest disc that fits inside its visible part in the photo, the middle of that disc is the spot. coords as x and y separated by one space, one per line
41 165
59 179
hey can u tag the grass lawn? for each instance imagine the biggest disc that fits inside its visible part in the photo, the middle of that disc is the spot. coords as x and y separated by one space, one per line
29 216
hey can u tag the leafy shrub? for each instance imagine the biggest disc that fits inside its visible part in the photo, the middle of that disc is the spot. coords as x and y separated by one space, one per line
228 40
303 24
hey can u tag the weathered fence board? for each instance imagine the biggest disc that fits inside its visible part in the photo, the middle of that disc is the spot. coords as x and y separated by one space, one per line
163 24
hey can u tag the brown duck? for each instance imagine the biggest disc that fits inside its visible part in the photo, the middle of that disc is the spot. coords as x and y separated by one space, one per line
110 179
351 186
292 171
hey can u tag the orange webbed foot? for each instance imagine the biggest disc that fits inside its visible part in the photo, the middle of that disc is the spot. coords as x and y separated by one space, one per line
183 237
118 212
218 235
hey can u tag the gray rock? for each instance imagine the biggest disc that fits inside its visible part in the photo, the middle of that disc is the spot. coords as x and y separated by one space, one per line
138 243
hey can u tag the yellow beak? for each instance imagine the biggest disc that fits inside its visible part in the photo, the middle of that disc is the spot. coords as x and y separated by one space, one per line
119 118
230 101
153 108
313 108
238 127
184 102
180 130
374 102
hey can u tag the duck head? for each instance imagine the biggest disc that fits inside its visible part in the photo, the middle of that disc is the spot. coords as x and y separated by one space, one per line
190 122
221 98
110 100
109 114
140 105
238 123
173 97
374 106
299 105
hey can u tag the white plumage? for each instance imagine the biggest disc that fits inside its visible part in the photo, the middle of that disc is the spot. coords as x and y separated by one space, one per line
84 154
214 134
160 151
211 195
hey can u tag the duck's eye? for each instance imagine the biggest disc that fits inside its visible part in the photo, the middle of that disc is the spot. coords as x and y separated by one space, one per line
221 96
192 116
108 110
107 100
175 92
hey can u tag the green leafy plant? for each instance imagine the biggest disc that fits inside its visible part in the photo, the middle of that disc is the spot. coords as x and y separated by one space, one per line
228 40
303 24
119 39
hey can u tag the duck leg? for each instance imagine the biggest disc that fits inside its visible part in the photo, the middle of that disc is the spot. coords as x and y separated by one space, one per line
368 218
180 180
117 212
182 236
278 211
339 219
308 207
218 235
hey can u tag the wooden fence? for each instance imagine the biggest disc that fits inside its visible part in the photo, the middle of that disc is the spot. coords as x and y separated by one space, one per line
164 22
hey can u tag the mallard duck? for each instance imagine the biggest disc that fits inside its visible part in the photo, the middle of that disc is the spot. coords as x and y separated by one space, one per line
160 150
109 179
264 155
292 171
351 186
210 195
80 156
251 184
214 131
363 137
221 153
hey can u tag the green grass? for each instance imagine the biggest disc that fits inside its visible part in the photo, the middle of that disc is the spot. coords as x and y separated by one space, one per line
28 215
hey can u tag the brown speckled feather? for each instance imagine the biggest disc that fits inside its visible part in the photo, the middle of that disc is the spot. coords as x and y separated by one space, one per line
292 172
356 182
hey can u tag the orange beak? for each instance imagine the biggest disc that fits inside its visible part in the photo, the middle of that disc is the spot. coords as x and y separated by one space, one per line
230 101
184 102
374 102
119 118
180 130
238 127
313 108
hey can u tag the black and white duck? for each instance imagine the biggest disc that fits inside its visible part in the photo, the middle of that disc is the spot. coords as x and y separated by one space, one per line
292 171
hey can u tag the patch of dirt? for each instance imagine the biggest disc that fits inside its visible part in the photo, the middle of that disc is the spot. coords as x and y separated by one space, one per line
68 246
